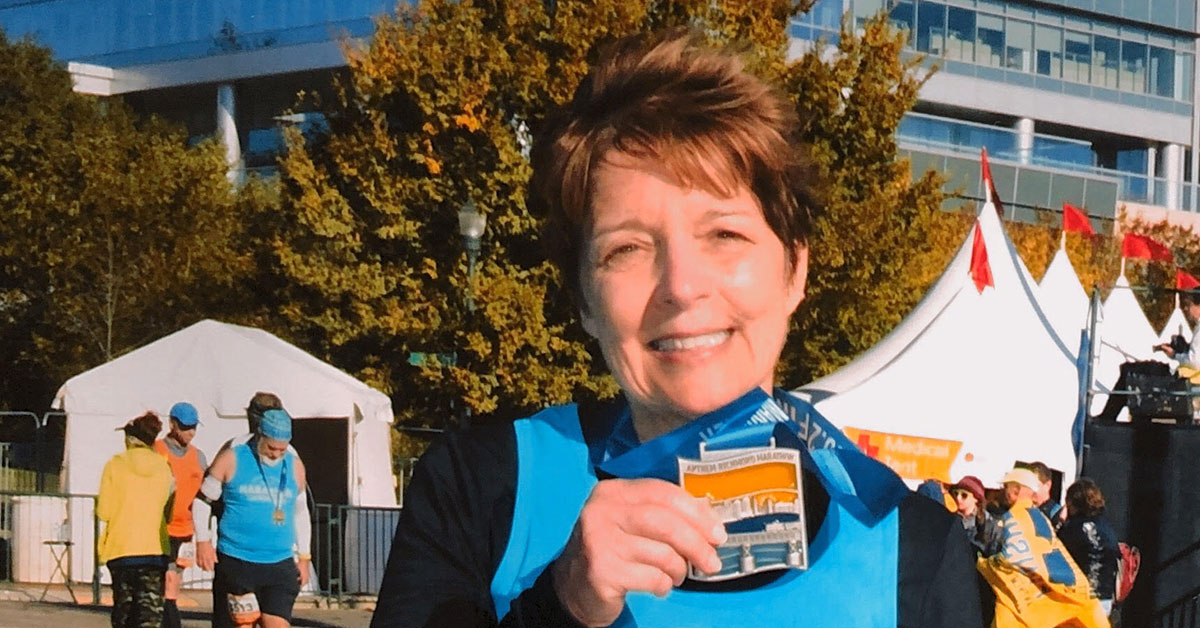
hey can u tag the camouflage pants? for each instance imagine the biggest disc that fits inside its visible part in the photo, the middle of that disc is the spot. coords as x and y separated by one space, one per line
137 596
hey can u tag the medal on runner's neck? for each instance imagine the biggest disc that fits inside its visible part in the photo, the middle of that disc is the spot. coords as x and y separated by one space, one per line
277 516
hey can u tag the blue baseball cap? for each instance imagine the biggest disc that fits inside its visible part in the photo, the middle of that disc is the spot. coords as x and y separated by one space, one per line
185 413
276 424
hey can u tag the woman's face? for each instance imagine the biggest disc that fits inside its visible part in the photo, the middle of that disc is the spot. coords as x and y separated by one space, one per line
965 502
688 293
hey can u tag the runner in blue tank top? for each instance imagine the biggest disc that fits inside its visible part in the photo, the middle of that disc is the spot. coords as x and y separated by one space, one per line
677 195
264 534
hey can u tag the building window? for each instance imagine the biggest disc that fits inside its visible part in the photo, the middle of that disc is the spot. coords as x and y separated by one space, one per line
865 10
989 40
1106 62
960 34
1049 51
931 28
1162 73
903 17
1133 66
1018 49
1077 56
1183 76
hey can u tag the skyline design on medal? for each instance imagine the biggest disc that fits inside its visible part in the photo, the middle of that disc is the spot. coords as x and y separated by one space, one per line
758 493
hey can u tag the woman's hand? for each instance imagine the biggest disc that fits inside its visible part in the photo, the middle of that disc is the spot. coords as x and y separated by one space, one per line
633 535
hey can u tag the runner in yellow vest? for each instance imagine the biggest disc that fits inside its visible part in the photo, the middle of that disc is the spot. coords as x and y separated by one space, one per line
1037 584
187 465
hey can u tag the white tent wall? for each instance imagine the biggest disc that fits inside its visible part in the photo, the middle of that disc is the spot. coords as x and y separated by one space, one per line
1064 299
1123 333
986 370
218 367
896 341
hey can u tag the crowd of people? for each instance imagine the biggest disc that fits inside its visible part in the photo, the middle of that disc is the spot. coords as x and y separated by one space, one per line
1021 525
160 494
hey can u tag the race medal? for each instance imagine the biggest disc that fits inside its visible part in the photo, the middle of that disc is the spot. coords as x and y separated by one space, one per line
277 516
758 493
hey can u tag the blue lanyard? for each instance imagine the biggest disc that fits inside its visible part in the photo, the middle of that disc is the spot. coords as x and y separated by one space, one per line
866 487
277 498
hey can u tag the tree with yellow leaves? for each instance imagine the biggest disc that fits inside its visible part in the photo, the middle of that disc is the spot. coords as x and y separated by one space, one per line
436 113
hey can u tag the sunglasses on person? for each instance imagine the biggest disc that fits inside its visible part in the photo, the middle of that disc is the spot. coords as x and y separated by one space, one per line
961 494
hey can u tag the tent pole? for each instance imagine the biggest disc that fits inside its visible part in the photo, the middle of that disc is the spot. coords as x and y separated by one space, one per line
1086 390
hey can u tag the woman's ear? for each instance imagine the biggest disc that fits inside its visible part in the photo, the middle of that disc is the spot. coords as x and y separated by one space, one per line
799 279
587 320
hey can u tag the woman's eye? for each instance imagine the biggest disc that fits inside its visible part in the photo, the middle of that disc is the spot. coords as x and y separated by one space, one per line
617 252
727 234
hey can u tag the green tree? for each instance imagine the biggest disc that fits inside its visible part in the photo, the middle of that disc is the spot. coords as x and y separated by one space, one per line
115 231
436 113
881 239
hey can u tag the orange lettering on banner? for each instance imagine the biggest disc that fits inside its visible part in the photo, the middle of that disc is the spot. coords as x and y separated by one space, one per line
911 457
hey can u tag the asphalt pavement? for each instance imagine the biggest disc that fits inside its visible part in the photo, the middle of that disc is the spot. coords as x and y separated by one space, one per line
19 610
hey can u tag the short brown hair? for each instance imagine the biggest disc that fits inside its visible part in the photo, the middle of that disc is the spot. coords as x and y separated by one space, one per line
671 99
1084 499
144 428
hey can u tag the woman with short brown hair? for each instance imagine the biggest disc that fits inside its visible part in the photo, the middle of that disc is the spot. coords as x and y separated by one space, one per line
677 202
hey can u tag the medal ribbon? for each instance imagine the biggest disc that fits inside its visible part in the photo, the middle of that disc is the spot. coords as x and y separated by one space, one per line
864 486
276 498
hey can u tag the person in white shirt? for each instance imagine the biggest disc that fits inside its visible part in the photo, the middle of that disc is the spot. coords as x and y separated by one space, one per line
1189 359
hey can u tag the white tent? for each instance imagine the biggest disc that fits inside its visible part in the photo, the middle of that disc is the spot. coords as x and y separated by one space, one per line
1123 333
1176 324
1064 300
218 367
977 382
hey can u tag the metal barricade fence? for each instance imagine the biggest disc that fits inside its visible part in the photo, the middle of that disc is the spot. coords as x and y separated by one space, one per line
351 547
48 539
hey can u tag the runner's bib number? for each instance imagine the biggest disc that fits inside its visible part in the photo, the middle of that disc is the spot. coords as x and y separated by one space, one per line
187 555
243 609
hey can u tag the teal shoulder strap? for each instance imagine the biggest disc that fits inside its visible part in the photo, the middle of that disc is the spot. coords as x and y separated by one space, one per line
554 479
852 580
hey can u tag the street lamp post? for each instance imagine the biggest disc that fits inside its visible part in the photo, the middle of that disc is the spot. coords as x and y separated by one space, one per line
471 225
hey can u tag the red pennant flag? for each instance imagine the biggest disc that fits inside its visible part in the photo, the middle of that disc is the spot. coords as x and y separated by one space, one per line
1184 281
981 271
1075 220
1144 247
989 183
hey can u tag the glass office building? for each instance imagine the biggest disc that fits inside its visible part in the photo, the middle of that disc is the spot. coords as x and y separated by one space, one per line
1087 101
223 67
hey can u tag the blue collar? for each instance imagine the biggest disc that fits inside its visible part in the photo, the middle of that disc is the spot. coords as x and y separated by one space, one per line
865 487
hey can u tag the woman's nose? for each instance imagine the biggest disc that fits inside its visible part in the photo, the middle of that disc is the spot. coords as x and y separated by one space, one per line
685 275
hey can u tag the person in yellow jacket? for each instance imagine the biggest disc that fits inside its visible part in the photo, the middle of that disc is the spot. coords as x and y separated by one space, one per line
1037 584
134 501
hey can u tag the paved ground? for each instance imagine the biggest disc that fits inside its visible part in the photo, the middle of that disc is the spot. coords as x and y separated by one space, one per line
19 610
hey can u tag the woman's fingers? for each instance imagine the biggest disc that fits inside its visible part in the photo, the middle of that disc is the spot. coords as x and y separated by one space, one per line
633 535
687 537
661 556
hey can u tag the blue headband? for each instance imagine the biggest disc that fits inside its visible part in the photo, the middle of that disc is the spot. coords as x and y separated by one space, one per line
276 424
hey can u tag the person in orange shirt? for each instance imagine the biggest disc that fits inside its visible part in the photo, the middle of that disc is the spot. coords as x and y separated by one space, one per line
187 465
